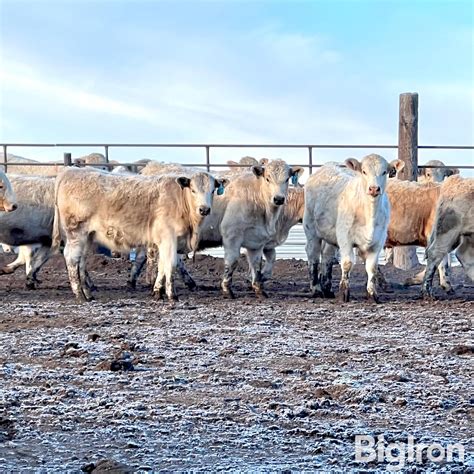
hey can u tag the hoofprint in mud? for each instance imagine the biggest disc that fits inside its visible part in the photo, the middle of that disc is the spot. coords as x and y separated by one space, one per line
285 383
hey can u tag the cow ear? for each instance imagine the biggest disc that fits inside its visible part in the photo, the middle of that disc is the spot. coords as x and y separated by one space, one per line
258 171
295 173
421 171
183 181
353 164
264 161
395 167
220 184
451 171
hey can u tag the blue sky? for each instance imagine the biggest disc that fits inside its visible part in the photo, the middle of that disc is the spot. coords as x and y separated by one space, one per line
235 72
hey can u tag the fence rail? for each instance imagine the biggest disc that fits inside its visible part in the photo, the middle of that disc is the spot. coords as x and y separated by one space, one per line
207 147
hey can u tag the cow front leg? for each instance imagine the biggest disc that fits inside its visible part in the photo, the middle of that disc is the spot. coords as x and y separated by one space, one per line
254 258
371 267
347 262
166 268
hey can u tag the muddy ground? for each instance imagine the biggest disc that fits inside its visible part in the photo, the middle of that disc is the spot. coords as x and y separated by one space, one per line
243 385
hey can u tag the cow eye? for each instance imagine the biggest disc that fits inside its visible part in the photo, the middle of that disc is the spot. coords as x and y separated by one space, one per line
268 180
363 172
384 173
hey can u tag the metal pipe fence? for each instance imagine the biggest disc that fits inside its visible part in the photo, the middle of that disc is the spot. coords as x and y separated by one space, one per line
208 164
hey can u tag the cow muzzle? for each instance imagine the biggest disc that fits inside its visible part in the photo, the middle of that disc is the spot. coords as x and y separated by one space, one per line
8 207
278 200
204 210
374 191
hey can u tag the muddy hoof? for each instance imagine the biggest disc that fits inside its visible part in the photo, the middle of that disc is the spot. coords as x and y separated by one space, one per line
228 294
344 295
317 294
30 285
328 294
373 298
158 294
191 285
428 295
450 292
261 294
131 285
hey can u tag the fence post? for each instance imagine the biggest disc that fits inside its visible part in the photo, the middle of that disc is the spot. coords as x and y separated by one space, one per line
106 154
67 159
5 158
310 159
208 160
405 257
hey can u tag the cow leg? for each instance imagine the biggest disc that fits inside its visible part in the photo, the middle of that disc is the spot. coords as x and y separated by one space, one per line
136 268
159 286
167 266
371 267
270 257
441 244
347 261
231 259
415 280
38 259
185 275
254 258
21 259
328 253
465 255
313 251
443 271
86 282
73 253
151 265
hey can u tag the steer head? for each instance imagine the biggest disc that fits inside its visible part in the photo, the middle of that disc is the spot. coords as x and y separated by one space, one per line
8 201
275 176
201 188
435 175
374 171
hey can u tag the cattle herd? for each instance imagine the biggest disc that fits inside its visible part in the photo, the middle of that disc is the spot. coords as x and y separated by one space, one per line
164 212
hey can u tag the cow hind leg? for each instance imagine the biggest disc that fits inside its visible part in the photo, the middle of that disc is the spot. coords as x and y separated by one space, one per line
73 253
270 257
254 258
465 255
136 268
444 280
231 258
313 251
36 261
185 275
441 244
328 254
86 282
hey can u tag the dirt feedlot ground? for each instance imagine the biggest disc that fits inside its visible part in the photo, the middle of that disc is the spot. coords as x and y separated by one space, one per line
242 385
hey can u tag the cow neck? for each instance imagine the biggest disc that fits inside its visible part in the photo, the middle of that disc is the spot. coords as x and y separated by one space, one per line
370 208
271 217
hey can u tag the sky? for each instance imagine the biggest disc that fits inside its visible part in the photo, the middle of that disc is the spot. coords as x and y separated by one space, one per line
267 72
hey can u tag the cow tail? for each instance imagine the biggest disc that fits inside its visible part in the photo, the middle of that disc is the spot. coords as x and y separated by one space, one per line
56 238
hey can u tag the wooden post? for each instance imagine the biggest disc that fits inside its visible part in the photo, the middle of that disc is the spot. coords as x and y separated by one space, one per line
67 159
405 257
